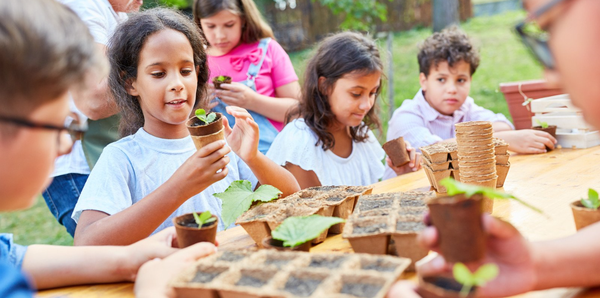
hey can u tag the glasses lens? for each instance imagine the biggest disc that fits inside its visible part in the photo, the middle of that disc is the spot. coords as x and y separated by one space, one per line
537 41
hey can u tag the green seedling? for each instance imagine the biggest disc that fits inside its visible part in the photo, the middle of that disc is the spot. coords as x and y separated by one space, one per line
221 79
204 218
238 198
296 230
592 201
542 123
463 275
454 187
201 114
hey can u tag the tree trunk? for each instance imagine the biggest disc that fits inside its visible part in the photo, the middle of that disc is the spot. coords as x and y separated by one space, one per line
445 12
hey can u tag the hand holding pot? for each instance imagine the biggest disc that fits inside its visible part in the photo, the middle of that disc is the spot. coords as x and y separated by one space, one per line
243 137
527 141
412 166
236 94
506 247
154 276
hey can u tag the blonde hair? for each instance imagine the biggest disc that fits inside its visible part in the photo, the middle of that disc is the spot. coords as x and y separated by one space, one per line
254 26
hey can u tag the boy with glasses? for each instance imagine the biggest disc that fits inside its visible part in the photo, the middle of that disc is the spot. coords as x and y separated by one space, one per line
564 36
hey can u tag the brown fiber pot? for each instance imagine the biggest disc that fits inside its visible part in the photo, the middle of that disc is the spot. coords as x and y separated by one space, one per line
271 243
441 287
187 236
551 129
584 216
458 220
205 134
218 83
396 150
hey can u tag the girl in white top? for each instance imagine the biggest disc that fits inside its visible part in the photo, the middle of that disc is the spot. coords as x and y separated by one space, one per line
330 142
158 71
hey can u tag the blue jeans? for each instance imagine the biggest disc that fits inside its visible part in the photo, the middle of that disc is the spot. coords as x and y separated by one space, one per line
61 197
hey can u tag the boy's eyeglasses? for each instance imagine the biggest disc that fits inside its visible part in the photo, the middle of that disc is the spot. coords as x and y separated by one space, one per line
535 38
74 128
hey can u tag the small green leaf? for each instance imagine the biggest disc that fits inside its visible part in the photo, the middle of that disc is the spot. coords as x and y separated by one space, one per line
592 202
296 230
462 274
201 114
210 118
238 198
484 274
204 218
197 219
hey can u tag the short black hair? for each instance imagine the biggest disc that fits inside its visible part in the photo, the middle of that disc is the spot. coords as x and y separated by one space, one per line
451 45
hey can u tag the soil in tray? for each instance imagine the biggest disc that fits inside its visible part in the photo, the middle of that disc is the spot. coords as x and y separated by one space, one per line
228 256
356 189
331 263
301 287
412 203
410 226
249 281
361 290
371 229
374 204
335 198
379 265
277 262
412 211
208 275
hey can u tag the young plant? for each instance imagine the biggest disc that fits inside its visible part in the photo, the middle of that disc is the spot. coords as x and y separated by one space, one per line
454 187
201 114
541 123
238 198
221 79
295 230
592 201
463 275
204 218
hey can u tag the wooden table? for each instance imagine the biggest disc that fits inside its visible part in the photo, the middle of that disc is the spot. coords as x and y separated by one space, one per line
548 181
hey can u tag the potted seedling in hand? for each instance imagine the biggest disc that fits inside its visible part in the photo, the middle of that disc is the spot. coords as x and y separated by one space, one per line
457 218
464 283
205 128
217 81
396 150
297 232
585 211
192 228
543 126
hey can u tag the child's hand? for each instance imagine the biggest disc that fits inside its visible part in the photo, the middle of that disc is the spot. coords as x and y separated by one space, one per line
237 94
412 166
528 141
154 276
207 166
403 289
243 138
159 245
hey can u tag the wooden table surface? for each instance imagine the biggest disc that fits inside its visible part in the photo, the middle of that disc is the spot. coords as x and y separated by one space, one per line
548 181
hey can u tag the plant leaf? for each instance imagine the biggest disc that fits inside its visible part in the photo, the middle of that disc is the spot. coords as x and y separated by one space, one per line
200 113
210 118
462 274
205 216
197 219
238 198
592 201
485 273
300 229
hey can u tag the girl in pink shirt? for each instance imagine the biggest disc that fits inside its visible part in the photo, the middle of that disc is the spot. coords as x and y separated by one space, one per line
241 45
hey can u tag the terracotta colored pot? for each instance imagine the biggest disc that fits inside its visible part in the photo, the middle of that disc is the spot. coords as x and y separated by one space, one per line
218 83
534 89
458 220
396 150
441 287
584 216
271 243
205 134
551 129
187 236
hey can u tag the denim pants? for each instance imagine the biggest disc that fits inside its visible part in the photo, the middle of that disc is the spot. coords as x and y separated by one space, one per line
61 197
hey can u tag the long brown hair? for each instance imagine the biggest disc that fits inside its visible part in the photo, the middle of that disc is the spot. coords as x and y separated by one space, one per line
124 53
337 55
254 26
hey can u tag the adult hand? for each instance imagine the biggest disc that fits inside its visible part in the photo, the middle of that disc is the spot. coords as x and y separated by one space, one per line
412 166
237 94
528 141
154 276
243 138
506 247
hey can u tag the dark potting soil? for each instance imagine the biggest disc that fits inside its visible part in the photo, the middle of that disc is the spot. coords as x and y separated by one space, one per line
250 281
412 211
193 224
410 226
256 217
445 283
330 263
374 204
369 229
277 262
360 290
379 265
229 256
412 203
198 123
206 277
355 189
301 287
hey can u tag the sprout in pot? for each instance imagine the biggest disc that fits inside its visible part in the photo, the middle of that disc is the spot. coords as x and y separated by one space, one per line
204 118
217 81
585 211
205 129
542 124
192 228
238 198
298 231
204 219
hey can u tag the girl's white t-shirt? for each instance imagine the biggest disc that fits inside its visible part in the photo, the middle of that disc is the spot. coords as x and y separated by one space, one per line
296 144
130 169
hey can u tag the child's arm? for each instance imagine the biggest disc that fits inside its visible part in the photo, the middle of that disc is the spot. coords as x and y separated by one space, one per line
139 220
501 126
52 266
527 141
243 140
306 179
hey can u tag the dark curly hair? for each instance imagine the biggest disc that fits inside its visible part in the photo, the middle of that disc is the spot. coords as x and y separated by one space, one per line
336 56
124 54
451 45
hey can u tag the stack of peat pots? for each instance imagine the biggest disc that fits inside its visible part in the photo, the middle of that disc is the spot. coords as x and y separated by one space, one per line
477 156
502 163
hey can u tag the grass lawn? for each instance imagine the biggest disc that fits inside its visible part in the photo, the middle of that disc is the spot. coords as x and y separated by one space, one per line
503 59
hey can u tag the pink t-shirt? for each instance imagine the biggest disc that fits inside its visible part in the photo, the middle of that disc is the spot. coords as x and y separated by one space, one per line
277 69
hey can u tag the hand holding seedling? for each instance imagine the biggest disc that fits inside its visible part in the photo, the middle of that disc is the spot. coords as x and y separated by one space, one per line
468 279
592 201
237 94
542 124
243 137
527 141
412 166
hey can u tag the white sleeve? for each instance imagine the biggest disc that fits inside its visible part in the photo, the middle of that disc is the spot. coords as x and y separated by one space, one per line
296 144
92 14
110 185
412 127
